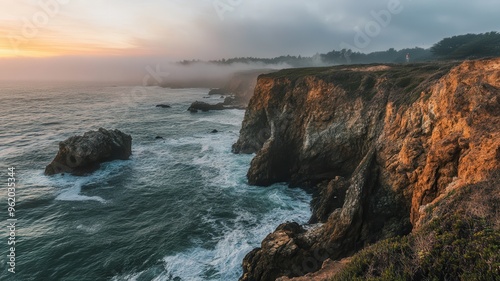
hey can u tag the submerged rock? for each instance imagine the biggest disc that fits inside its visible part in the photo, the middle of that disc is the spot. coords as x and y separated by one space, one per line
163 105
81 155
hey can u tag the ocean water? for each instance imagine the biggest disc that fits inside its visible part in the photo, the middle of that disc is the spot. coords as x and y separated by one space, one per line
179 209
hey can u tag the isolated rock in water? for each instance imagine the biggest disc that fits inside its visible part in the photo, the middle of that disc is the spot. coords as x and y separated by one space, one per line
214 131
81 155
163 106
203 106
159 137
218 92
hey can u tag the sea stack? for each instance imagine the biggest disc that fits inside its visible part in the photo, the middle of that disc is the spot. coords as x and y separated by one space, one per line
80 155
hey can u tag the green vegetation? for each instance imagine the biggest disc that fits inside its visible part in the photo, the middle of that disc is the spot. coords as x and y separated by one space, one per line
408 80
460 241
293 73
390 56
468 46
456 47
412 79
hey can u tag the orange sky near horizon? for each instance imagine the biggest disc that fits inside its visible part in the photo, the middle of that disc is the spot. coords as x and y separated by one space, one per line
213 29
100 40
51 28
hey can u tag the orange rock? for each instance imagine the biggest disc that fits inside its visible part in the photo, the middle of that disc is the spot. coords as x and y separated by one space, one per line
399 137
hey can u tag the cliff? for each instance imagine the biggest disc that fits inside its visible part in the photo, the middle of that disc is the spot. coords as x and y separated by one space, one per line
242 84
377 144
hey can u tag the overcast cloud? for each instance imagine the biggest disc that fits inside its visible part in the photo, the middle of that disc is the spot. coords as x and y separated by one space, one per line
213 29
295 27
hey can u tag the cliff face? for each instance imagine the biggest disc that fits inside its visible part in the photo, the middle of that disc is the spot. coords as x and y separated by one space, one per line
376 143
242 84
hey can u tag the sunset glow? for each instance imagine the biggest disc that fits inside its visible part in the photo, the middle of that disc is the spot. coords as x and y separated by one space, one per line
215 29
56 28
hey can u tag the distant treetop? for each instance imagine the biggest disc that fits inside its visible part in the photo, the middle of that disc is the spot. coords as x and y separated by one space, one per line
468 46
456 47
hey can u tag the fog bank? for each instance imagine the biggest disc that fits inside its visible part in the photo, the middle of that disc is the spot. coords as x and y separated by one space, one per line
130 70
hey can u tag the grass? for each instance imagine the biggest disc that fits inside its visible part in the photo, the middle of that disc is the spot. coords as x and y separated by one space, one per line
294 73
461 242
407 82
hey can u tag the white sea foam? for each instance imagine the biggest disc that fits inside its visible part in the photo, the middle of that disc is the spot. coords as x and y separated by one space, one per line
223 262
68 187
230 225
231 117
89 229
222 169
246 231
218 166
73 194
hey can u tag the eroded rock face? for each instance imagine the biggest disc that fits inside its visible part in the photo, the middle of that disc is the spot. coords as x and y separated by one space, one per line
79 155
376 143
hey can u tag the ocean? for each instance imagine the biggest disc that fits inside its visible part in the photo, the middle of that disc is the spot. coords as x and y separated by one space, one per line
179 209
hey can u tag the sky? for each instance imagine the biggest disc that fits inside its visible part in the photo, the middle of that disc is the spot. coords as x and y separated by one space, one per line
81 34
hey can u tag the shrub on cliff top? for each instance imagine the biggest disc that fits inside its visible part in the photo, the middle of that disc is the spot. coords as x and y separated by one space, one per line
460 242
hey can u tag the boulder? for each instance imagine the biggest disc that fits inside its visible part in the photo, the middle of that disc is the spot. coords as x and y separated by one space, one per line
80 155
203 106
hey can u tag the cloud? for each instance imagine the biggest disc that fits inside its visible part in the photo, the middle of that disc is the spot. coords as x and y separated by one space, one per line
95 34
210 29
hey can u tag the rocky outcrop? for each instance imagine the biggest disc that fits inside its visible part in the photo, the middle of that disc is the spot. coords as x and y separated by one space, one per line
203 106
376 144
80 155
219 92
239 88
242 84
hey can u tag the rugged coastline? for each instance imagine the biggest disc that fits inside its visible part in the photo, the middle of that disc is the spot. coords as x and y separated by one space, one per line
378 144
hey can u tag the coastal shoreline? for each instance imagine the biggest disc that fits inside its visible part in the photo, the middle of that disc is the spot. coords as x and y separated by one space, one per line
377 143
